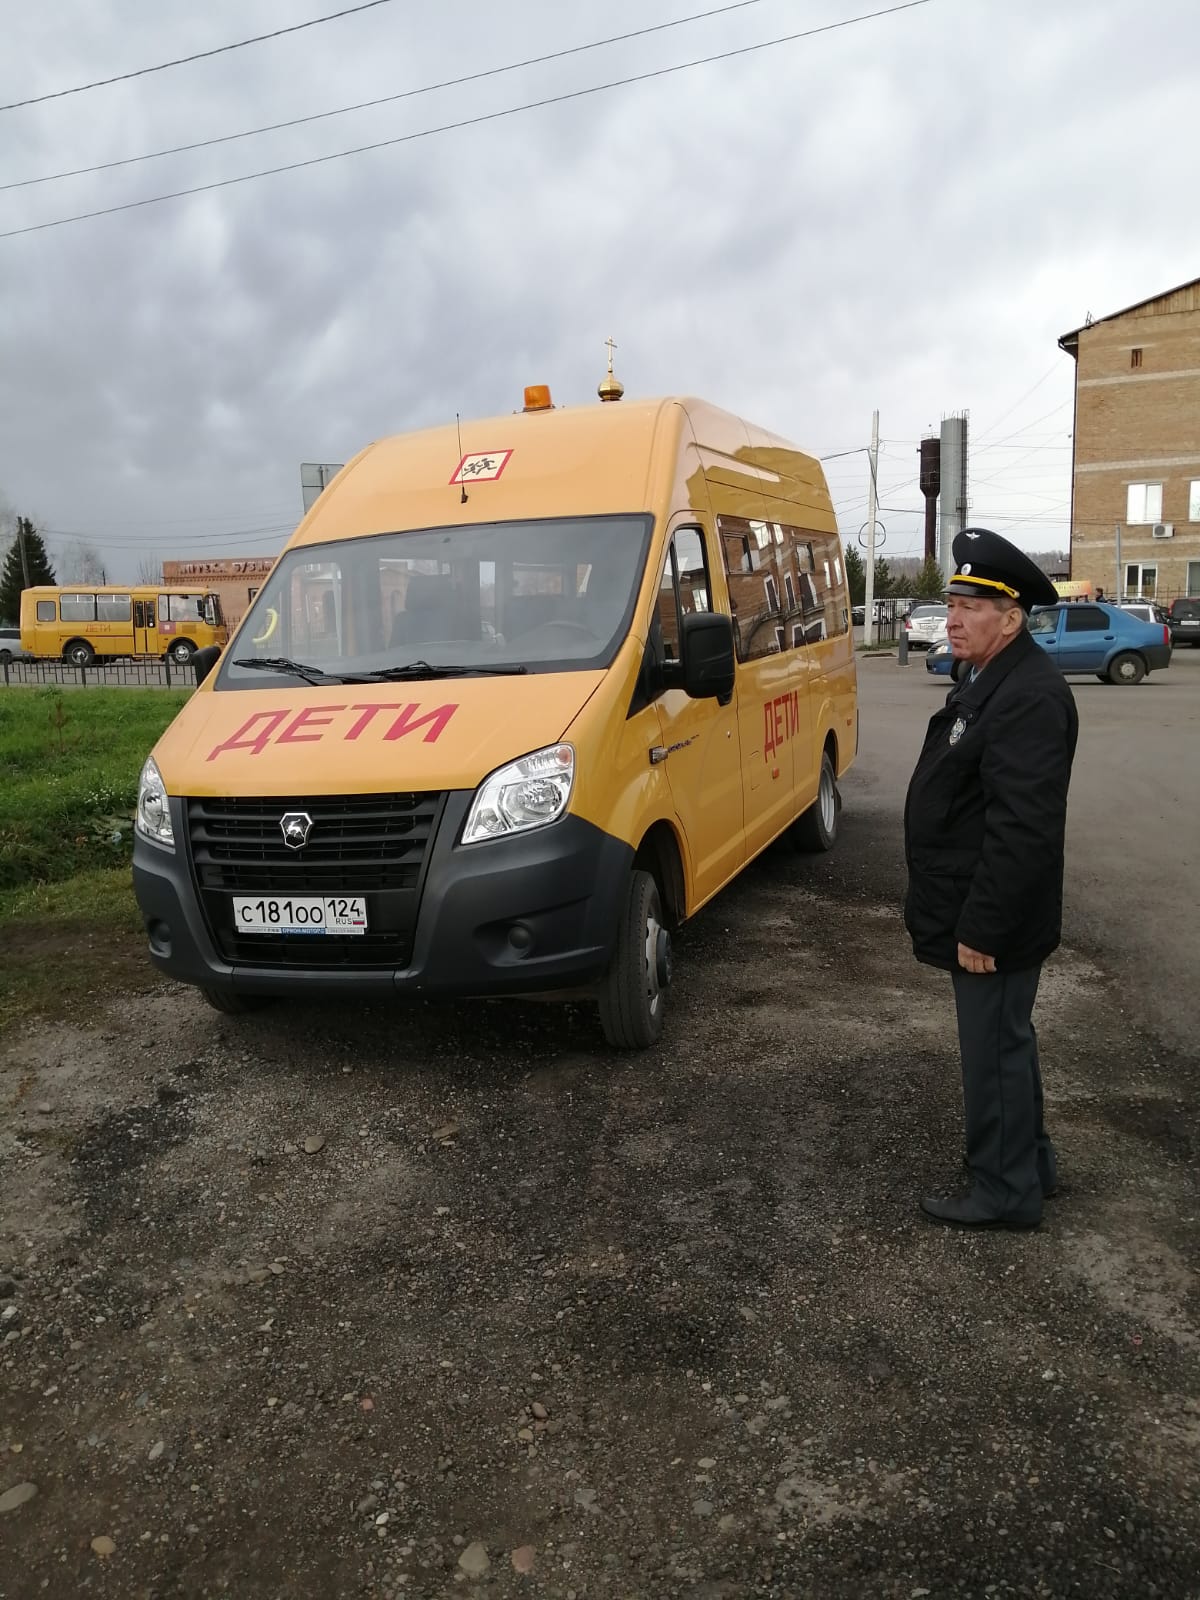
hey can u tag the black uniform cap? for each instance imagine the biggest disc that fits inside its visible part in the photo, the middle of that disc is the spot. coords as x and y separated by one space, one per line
985 564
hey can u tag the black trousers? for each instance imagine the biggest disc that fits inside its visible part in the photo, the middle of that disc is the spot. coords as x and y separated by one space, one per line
1009 1151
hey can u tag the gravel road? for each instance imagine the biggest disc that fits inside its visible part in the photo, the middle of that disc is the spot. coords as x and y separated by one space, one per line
453 1302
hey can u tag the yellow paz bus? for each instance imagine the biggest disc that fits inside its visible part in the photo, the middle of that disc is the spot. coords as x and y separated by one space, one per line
510 708
83 623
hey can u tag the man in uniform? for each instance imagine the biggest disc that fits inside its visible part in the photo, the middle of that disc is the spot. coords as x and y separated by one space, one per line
984 824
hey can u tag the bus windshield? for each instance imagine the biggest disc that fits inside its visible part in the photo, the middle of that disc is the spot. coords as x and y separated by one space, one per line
552 595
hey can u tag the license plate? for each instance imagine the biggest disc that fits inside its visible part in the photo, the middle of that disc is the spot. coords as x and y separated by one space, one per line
309 914
1188 623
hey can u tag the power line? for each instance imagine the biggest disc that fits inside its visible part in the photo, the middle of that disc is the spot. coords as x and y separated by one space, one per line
469 122
384 100
992 426
201 55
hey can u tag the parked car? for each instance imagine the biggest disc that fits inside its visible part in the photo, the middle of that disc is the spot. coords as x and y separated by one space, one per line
10 647
1103 640
1148 610
925 625
939 659
1183 619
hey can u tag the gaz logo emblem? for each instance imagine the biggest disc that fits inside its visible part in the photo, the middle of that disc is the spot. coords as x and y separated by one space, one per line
295 826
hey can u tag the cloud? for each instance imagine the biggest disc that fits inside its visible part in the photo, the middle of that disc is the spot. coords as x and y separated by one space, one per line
904 214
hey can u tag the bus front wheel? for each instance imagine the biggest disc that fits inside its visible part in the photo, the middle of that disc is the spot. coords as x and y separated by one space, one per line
633 992
816 829
182 651
233 1004
79 653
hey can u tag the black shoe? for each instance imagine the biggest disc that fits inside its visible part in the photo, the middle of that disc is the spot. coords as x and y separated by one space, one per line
965 1211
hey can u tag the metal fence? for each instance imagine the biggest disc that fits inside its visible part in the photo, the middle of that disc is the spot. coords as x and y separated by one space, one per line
112 675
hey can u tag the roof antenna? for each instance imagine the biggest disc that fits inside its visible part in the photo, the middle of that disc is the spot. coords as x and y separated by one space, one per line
462 482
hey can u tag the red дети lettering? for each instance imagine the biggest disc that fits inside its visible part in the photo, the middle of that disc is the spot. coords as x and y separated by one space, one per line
271 721
310 717
434 720
368 713
781 721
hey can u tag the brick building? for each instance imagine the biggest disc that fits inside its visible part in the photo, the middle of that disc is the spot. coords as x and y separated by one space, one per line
1137 447
236 581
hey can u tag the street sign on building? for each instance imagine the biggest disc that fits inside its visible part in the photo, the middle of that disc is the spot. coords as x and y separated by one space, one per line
314 476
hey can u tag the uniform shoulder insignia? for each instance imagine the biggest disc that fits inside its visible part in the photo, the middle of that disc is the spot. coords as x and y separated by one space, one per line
959 728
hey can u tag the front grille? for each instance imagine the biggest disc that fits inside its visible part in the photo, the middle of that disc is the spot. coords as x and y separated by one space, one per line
370 845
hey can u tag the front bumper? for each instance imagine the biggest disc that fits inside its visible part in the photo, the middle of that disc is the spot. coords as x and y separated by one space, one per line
521 915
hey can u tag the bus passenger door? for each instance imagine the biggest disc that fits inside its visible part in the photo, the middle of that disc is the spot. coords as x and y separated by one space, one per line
145 632
700 747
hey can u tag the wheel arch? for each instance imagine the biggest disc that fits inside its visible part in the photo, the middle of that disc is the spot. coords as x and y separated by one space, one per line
660 854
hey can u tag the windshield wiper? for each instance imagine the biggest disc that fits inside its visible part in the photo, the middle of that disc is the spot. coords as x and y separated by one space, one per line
298 669
425 669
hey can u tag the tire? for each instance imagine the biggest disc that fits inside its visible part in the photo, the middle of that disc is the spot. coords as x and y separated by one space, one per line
79 653
633 992
233 1004
817 829
1126 668
181 652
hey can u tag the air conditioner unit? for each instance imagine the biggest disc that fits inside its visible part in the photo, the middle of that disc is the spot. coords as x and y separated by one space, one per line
1162 530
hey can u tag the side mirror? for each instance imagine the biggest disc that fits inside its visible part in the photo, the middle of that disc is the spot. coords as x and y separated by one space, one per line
706 645
204 661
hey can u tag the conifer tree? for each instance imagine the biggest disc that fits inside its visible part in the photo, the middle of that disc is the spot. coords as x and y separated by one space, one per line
12 579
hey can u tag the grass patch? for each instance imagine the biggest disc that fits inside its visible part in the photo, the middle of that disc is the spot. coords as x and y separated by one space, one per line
70 929
70 941
70 763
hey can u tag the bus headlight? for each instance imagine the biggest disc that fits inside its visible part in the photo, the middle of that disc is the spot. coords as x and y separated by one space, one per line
153 807
528 793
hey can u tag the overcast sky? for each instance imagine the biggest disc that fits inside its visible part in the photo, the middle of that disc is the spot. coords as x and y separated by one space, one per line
903 213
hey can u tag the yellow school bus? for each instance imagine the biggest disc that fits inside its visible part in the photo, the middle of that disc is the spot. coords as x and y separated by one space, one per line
509 709
85 623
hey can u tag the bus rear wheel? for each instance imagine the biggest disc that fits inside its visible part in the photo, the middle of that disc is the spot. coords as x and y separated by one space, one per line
633 992
79 653
182 651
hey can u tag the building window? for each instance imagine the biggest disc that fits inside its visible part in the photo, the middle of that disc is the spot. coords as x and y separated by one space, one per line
1143 502
1141 582
1193 578
1194 500
1135 356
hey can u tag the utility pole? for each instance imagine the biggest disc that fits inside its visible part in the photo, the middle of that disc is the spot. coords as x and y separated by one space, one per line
1119 591
24 552
872 512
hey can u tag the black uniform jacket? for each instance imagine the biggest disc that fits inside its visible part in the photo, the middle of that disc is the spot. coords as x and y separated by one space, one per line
986 815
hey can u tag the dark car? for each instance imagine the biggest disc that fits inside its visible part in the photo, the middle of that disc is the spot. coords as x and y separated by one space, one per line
1183 619
1103 640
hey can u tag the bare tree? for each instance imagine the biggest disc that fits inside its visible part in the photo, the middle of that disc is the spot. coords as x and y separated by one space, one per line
82 564
149 570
